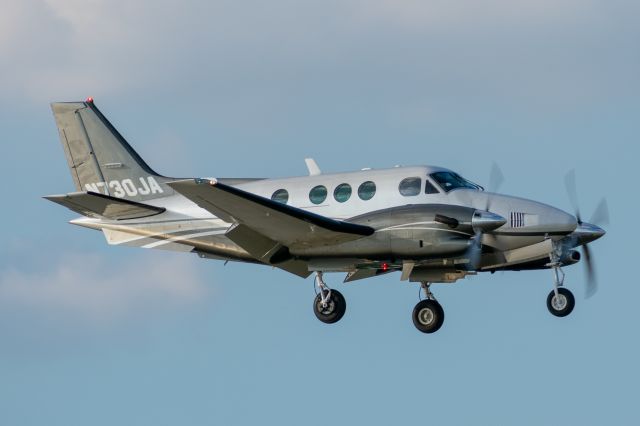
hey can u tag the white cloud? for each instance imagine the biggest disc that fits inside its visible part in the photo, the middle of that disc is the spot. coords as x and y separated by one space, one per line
257 51
86 290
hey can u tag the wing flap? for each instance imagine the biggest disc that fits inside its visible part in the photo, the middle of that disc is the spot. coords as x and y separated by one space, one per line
290 226
266 250
93 204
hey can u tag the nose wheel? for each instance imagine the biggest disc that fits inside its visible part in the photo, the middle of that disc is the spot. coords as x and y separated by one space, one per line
561 302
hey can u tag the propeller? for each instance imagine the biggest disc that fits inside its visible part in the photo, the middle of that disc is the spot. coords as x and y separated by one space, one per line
600 217
496 178
474 252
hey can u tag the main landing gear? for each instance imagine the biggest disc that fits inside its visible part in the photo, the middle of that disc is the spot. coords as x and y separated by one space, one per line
428 314
560 301
329 305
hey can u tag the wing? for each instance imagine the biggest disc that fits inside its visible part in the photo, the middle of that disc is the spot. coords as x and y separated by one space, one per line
102 206
287 225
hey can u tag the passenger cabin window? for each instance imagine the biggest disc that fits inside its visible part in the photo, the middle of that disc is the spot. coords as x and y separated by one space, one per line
367 190
318 194
429 188
281 196
342 192
450 181
410 187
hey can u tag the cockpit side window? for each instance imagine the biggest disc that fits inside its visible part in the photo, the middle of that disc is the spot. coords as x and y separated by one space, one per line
450 181
429 188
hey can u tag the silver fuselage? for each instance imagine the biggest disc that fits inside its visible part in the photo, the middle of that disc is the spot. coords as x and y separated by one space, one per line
404 224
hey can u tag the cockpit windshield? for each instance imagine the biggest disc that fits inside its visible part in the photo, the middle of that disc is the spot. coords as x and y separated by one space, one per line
450 181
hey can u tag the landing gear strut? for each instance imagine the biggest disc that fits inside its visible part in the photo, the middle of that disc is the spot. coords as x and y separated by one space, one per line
428 314
329 305
560 301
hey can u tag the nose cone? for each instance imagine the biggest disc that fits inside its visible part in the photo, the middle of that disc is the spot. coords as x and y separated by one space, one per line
587 232
484 221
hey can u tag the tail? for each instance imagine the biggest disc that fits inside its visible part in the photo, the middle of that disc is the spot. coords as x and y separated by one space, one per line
100 159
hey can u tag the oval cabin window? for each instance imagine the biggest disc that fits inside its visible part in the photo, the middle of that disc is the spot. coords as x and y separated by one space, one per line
367 190
318 194
281 196
342 192
410 187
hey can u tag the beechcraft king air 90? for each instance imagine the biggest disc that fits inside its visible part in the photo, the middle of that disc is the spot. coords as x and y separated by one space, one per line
427 223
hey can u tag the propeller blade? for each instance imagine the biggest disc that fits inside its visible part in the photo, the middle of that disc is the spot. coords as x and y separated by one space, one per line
496 178
475 251
591 284
570 183
600 216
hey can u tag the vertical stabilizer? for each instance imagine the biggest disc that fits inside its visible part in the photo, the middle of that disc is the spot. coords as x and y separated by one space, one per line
100 159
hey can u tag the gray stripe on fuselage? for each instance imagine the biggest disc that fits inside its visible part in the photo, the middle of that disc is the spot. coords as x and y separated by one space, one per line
142 240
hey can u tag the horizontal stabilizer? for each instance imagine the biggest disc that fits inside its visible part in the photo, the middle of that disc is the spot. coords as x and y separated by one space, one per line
93 204
279 222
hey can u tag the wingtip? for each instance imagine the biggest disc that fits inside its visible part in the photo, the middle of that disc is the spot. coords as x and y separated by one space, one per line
54 197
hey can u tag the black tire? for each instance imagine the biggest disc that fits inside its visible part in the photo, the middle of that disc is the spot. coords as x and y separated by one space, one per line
335 309
564 305
428 316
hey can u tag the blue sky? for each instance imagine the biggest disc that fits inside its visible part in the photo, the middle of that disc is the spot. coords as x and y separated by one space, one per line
91 334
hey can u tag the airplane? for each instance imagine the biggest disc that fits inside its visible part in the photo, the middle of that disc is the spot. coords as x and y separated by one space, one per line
427 223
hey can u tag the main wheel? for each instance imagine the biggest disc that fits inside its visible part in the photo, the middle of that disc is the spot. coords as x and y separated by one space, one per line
561 305
335 309
428 316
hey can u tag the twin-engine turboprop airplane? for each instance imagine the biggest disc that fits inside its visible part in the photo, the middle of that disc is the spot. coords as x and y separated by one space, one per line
428 223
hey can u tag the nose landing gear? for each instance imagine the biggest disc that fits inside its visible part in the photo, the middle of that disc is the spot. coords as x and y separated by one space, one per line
428 314
560 301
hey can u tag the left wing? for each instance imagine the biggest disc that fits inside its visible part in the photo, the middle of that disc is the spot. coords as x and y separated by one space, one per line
287 225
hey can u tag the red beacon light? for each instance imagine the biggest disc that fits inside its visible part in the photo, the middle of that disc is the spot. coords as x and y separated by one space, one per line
385 267
90 100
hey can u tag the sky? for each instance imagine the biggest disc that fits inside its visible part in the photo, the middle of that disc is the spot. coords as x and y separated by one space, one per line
92 334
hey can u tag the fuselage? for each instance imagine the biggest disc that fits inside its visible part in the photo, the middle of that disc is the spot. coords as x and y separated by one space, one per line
403 233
